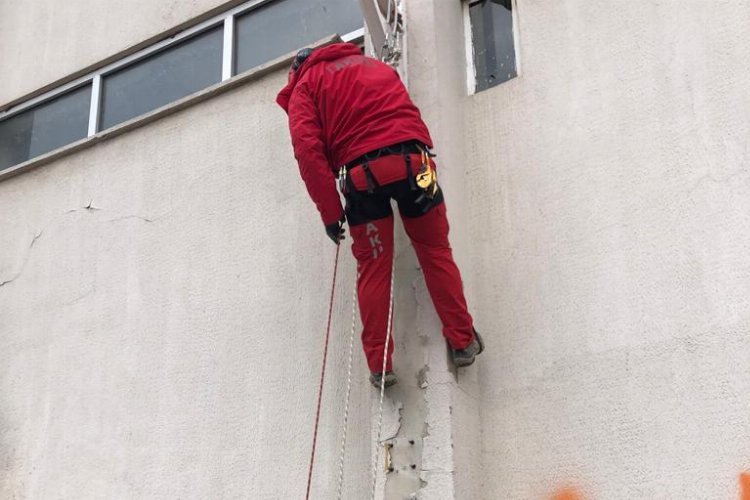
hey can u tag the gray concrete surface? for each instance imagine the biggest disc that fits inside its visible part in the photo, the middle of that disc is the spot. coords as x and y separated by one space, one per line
166 341
163 297
45 40
609 223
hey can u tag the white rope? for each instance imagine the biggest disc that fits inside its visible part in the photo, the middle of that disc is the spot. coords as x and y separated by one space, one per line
389 55
348 392
382 380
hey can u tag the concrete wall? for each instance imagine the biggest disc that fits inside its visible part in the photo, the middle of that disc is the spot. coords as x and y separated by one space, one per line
45 40
164 292
610 194
165 342
160 336
436 62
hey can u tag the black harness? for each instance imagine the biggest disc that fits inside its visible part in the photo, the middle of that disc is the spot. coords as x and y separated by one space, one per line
405 149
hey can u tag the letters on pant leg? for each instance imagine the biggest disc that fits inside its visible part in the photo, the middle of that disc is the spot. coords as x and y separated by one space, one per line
373 235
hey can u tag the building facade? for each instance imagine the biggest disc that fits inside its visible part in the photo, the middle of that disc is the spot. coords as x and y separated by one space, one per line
164 278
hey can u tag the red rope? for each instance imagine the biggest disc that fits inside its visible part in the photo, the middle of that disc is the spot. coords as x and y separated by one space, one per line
322 374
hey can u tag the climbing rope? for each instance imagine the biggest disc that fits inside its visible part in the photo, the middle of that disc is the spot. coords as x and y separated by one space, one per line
388 332
389 53
348 392
322 374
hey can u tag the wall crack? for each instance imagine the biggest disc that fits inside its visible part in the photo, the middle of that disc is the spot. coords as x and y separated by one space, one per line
89 208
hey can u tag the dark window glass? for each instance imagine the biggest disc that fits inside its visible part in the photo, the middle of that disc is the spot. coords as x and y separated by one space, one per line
41 129
162 78
492 37
286 25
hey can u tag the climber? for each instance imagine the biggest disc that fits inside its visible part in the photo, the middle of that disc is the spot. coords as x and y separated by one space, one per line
351 113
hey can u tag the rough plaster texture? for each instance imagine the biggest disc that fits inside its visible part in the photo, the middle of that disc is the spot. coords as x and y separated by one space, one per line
453 450
84 32
166 341
609 218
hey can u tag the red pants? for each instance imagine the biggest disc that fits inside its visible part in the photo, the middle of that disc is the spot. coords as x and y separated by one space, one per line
371 225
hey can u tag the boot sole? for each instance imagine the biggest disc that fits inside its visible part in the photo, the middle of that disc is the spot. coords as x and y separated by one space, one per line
461 363
388 383
481 343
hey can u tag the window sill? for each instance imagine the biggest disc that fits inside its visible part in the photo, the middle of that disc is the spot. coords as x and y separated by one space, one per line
186 102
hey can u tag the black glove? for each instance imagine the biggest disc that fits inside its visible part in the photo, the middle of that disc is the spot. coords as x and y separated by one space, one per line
335 231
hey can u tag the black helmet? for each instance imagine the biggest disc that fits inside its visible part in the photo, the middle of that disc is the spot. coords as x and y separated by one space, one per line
300 58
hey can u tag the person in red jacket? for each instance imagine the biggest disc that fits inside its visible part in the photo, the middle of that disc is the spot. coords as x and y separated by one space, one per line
351 114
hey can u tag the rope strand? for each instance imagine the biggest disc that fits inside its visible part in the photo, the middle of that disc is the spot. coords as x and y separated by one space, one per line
348 392
322 374
387 54
388 332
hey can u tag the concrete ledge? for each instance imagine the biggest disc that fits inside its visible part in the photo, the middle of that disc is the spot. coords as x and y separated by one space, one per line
171 108
175 30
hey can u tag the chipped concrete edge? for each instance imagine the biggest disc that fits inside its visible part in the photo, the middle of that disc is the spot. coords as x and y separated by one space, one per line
436 381
391 425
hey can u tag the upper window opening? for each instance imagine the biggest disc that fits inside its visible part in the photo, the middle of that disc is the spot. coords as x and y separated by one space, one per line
493 47
216 49
286 25
43 128
165 77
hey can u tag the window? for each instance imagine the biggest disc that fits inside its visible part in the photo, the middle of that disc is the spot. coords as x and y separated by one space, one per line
213 50
167 76
48 126
285 25
493 48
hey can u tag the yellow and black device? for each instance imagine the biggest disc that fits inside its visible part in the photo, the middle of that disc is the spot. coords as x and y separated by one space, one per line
427 177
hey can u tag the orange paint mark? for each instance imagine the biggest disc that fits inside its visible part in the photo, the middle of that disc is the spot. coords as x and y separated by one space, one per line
745 486
571 494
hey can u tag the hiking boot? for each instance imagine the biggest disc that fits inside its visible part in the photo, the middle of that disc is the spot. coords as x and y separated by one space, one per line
390 379
465 357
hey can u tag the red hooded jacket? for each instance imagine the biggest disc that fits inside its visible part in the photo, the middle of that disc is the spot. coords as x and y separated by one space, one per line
342 105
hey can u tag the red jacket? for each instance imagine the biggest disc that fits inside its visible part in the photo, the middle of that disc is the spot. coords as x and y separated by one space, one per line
342 105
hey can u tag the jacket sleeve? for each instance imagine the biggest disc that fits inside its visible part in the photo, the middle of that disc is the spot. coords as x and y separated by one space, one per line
310 152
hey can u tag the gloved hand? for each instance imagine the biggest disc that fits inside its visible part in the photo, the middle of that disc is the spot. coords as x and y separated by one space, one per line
335 231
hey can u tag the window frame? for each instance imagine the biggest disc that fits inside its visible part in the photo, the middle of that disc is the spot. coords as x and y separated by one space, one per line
102 97
471 70
227 18
33 129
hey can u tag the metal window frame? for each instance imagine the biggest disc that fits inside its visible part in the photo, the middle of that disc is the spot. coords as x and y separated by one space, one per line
94 78
354 36
96 100
471 70
230 43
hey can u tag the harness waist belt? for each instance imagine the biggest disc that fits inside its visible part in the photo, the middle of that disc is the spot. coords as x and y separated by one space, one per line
402 148
384 170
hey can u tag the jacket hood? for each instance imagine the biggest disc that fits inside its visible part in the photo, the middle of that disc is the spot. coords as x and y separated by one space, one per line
323 54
